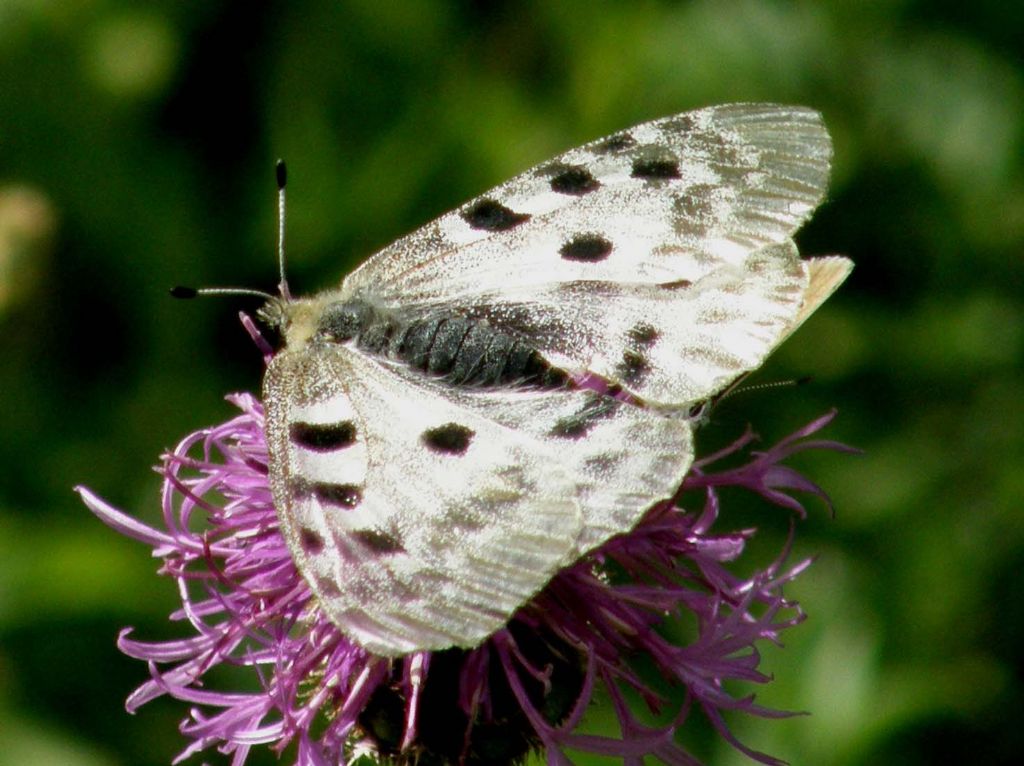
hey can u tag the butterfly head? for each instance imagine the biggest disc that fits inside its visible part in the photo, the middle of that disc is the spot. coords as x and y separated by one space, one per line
294 321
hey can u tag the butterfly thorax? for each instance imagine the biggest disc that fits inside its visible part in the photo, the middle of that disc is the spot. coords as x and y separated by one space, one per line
464 351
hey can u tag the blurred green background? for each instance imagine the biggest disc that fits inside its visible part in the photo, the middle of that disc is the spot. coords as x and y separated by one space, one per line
137 142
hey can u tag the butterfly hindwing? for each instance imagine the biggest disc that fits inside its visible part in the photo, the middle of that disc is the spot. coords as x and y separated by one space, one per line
423 516
437 527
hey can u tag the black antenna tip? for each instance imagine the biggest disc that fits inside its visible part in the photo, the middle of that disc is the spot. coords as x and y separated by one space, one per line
180 291
804 380
282 174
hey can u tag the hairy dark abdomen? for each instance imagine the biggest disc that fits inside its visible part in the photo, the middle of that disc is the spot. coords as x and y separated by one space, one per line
463 351
468 352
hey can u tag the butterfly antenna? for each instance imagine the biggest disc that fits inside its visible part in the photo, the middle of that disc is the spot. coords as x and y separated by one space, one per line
185 293
730 392
282 181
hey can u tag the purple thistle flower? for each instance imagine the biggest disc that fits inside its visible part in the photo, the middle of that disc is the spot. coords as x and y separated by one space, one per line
528 686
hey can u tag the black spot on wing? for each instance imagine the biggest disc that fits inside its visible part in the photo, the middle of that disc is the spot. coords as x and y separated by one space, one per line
580 423
679 284
342 495
588 248
643 334
682 123
588 289
323 437
491 215
378 541
656 163
721 151
633 367
614 144
571 179
345 495
449 439
311 541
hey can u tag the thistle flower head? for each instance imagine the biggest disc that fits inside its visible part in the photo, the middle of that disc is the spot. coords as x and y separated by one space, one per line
527 687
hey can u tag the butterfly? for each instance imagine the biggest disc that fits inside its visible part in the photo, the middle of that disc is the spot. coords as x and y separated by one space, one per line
489 398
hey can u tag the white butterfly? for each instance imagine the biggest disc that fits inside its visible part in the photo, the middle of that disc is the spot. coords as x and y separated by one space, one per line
437 449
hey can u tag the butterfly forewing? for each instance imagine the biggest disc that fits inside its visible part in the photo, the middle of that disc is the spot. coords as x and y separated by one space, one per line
666 222
711 184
